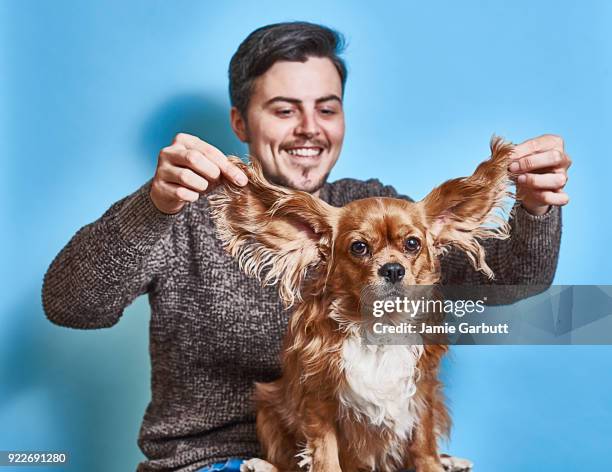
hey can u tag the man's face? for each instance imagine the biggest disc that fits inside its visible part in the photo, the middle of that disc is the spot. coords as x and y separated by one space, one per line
295 122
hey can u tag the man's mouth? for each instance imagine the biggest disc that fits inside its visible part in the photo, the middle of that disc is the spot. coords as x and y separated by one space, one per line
304 152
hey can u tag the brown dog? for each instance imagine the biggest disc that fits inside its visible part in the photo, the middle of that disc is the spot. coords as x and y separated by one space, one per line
340 405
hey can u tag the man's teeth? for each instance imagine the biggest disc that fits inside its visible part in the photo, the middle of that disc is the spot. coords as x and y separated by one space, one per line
304 152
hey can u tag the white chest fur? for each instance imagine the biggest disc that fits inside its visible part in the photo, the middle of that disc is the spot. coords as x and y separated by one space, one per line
381 384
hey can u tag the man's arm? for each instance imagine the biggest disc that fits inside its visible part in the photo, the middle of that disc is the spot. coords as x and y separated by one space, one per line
124 254
530 256
108 263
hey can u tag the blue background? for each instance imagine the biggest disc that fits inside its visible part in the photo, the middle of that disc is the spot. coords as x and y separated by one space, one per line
92 90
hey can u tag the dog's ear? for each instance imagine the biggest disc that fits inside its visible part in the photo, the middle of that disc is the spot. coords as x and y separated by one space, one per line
462 211
276 234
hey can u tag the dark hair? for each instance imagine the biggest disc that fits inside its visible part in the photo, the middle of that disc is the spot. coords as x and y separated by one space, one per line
293 41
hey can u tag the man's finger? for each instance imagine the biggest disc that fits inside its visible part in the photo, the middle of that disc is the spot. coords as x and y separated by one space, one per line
185 177
536 145
195 160
550 197
228 169
541 160
551 181
179 192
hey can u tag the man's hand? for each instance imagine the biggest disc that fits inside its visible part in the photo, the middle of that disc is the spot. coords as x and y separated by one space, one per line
188 168
541 165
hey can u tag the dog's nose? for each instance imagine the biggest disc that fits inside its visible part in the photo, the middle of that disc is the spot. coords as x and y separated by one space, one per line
392 271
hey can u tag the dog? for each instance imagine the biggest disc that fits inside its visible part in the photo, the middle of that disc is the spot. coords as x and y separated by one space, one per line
341 405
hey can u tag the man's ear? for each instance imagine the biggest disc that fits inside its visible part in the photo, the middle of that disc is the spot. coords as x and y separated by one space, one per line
238 123
276 234
462 211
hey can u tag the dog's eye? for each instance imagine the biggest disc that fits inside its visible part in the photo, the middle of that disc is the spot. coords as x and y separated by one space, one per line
412 244
359 248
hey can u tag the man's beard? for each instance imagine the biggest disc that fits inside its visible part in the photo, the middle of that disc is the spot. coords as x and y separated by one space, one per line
285 182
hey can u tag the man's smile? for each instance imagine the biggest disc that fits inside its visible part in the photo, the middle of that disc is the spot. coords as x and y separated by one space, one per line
300 155
305 151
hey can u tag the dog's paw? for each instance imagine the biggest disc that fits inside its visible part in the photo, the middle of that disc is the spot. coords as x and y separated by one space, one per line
257 465
455 464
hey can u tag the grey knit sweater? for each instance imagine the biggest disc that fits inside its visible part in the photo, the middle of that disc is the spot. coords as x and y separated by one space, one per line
213 331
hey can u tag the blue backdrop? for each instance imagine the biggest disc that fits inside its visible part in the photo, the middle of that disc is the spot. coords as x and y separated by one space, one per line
92 90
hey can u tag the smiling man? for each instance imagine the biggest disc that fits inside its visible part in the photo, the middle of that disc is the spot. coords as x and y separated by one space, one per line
294 122
214 332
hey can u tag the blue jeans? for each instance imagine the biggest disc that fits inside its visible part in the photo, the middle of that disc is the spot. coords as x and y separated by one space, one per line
231 465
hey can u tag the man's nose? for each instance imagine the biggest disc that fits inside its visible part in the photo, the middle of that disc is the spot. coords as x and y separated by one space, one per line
392 272
308 126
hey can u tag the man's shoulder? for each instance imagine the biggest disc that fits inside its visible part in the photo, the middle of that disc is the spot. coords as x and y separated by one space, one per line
344 191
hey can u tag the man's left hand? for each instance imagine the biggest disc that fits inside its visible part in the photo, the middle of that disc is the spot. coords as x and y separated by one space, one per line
541 166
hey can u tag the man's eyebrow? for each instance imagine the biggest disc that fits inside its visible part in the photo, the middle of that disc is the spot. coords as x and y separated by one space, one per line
297 101
282 99
327 98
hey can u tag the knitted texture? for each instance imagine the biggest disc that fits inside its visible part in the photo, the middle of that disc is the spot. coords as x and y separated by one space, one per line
214 331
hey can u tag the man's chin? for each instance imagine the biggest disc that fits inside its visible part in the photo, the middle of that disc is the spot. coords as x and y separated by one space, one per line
305 185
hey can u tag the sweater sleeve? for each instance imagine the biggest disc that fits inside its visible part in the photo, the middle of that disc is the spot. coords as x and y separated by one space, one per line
528 257
108 263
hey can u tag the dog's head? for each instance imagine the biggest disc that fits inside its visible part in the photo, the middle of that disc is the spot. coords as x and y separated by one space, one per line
306 246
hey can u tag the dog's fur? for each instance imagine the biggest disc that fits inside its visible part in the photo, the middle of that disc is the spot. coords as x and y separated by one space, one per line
341 405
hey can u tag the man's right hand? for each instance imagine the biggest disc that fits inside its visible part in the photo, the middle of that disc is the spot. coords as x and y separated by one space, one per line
187 169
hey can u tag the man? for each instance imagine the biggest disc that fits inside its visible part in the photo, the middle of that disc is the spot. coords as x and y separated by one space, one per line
213 331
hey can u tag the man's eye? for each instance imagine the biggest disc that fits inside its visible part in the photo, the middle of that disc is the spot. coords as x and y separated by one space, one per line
284 112
412 244
359 248
328 111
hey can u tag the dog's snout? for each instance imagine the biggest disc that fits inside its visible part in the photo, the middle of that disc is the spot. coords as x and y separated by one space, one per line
392 271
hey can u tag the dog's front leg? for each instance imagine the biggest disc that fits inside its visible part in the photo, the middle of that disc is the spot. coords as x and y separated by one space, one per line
423 447
318 429
324 452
